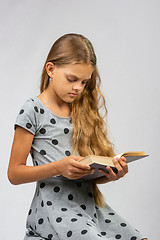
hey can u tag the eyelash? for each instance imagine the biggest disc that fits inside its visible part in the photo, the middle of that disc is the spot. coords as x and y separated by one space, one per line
76 80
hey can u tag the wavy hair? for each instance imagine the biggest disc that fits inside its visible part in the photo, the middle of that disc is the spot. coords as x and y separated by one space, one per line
89 126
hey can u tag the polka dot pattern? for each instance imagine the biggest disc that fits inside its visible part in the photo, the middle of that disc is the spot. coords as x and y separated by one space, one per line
41 111
42 131
40 221
21 111
71 203
53 121
67 153
66 130
36 109
55 141
118 236
28 125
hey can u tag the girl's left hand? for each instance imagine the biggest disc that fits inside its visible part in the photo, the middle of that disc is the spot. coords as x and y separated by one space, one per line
122 167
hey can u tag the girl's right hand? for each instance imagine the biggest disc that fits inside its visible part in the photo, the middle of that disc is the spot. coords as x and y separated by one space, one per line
71 168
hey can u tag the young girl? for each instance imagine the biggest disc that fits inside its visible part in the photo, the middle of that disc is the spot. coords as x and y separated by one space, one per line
58 128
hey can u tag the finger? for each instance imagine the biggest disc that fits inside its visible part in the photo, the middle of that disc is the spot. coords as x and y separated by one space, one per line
109 174
124 159
84 173
124 165
76 158
117 163
81 165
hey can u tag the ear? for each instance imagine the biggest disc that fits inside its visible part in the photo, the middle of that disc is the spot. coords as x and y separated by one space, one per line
50 67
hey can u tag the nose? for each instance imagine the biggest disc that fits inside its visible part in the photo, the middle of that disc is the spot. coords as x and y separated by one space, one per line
77 87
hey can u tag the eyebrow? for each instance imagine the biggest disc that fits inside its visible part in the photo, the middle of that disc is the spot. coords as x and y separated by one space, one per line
71 75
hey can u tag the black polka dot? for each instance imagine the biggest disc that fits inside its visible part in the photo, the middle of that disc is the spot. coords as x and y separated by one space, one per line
30 211
70 121
67 153
63 209
42 204
118 236
133 238
93 221
107 220
50 236
83 207
42 185
36 109
30 227
48 219
56 189
111 213
79 214
49 203
96 207
103 233
123 224
40 221
43 152
55 141
73 219
99 235
90 194
89 224
59 219
79 184
31 233
95 215
53 121
28 125
66 130
70 197
42 131
32 99
69 234
21 112
36 163
83 232
41 110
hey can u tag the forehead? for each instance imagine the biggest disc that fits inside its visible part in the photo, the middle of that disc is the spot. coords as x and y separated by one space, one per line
80 70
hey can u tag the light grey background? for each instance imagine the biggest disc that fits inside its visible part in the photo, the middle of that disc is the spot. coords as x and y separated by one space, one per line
126 37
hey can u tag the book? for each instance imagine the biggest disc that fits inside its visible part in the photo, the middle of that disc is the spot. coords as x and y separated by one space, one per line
101 162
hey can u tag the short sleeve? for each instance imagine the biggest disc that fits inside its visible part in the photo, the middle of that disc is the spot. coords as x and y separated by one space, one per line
27 117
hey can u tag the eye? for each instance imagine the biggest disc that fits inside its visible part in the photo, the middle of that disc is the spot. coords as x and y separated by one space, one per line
71 80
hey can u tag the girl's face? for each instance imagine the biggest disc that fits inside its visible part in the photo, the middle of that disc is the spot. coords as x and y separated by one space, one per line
68 81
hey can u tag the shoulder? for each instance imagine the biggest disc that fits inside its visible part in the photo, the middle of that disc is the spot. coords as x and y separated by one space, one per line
27 115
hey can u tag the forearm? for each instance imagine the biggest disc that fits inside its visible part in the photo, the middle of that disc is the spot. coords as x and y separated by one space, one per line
25 174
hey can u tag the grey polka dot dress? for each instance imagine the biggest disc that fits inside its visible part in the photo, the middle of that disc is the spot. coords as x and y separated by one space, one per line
62 208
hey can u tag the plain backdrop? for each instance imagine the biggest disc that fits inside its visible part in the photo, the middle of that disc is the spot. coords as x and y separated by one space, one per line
126 37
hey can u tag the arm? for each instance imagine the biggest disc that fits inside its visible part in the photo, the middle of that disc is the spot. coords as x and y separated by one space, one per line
19 173
122 167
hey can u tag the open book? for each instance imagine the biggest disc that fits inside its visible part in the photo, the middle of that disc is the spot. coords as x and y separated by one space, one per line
101 162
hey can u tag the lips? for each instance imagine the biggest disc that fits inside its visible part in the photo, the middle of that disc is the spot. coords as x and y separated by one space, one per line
73 94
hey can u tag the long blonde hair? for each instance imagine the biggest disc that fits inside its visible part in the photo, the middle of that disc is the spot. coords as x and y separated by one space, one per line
89 127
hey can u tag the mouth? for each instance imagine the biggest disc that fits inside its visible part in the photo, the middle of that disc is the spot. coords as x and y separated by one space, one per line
73 94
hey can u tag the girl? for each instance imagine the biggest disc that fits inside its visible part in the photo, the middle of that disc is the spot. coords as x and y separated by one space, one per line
58 128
